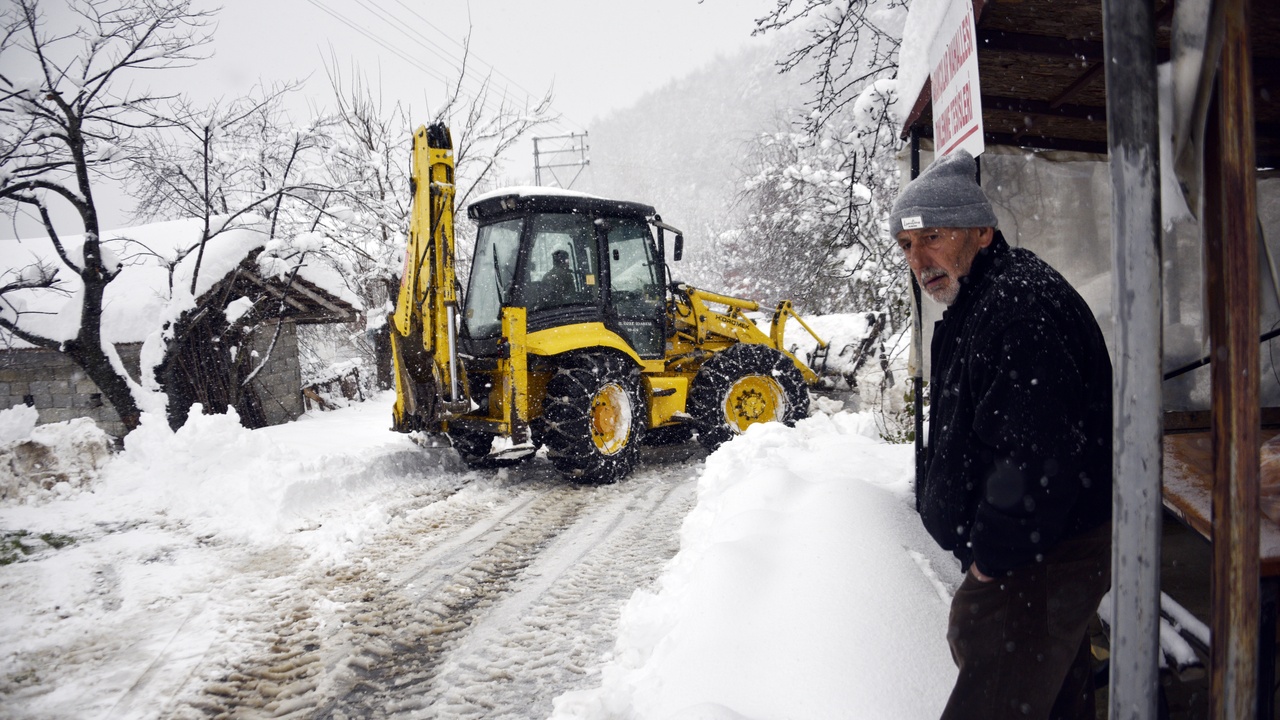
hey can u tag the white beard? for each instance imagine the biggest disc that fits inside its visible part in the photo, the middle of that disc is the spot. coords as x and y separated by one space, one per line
944 295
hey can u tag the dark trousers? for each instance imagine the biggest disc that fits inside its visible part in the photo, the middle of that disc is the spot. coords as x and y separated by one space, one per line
1021 642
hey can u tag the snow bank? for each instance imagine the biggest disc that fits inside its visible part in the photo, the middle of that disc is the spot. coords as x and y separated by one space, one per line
263 487
116 592
805 586
16 424
39 464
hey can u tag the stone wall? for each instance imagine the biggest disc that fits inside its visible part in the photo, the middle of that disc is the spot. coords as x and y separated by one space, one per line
57 387
60 391
279 384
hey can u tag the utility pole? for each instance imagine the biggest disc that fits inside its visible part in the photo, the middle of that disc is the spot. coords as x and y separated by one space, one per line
565 151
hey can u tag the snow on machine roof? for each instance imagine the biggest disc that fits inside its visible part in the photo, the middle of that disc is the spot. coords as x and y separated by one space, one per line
540 199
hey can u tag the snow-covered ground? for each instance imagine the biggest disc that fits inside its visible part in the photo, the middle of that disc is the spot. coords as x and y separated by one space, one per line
330 567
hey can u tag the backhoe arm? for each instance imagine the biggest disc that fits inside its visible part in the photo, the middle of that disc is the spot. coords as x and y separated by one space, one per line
429 382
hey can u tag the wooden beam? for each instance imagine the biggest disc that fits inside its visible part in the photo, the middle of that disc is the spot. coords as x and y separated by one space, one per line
276 291
1076 86
305 288
1133 140
1231 268
1089 51
1025 43
1041 107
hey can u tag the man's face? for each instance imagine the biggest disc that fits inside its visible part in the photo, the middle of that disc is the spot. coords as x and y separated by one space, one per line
939 257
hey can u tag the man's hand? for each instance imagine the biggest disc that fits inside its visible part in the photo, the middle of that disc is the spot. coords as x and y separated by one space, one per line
973 569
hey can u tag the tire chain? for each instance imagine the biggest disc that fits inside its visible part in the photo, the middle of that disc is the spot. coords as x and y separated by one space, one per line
565 424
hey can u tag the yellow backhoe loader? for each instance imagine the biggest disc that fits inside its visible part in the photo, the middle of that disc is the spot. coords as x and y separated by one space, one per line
571 334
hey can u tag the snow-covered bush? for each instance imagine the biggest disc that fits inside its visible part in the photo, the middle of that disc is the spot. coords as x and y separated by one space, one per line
818 190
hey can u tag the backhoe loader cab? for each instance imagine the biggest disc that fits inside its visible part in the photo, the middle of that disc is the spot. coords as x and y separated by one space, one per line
571 334
566 258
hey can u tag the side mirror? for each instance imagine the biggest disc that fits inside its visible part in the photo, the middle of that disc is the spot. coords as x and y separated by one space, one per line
677 251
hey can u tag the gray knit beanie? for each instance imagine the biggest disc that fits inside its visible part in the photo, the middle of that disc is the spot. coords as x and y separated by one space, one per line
945 195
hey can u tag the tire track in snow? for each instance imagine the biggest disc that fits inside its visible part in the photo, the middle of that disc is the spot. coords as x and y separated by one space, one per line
553 633
290 675
486 603
407 631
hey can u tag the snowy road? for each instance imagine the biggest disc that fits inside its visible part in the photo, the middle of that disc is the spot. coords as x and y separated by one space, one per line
329 568
487 601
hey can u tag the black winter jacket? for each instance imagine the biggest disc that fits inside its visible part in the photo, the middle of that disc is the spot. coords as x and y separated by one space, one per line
1019 453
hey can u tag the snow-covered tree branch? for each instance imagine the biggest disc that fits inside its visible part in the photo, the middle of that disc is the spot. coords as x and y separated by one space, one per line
827 184
236 164
69 115
367 166
845 45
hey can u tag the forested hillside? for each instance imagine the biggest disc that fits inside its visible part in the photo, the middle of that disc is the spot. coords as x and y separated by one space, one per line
684 148
780 186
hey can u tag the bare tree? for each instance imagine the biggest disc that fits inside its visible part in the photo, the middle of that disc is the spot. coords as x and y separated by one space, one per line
75 119
845 47
368 168
231 165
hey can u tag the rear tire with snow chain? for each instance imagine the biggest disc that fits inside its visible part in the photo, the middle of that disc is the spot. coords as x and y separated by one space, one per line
593 417
743 385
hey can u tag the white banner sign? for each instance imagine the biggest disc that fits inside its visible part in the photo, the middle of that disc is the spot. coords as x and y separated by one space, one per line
957 99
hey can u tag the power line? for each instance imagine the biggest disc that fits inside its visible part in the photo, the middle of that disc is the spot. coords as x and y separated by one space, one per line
454 63
462 63
479 88
469 52
389 48
489 104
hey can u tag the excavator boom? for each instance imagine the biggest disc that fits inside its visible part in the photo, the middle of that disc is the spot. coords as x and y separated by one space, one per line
429 383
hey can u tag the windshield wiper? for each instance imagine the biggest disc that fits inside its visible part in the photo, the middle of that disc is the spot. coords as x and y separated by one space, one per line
497 278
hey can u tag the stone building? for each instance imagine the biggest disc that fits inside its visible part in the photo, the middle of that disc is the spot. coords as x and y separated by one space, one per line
60 390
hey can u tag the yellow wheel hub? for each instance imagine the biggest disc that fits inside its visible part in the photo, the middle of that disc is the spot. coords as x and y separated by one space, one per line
753 399
611 419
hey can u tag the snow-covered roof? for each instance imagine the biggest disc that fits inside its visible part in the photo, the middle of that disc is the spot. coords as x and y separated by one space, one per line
533 191
145 290
913 54
555 200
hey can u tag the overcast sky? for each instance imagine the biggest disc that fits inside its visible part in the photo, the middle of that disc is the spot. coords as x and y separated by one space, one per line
596 56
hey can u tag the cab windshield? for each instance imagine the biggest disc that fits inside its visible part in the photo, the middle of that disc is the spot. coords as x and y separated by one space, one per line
561 267
492 270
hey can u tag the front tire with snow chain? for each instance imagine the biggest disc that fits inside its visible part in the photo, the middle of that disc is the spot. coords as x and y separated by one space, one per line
743 385
593 417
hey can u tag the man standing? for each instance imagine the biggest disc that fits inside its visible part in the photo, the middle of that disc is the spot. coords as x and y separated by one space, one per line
1018 478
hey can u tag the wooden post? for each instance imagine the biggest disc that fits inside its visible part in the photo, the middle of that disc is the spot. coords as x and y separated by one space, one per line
1132 127
1231 267
917 338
